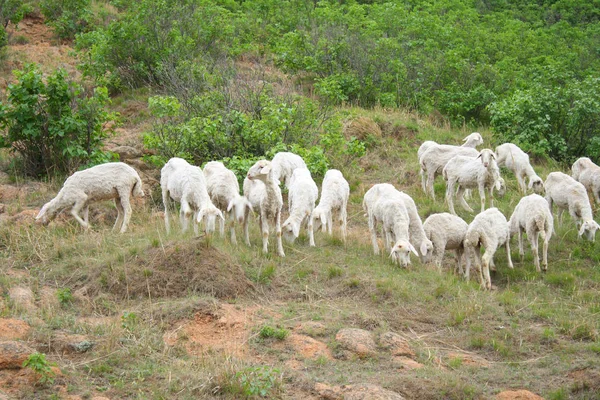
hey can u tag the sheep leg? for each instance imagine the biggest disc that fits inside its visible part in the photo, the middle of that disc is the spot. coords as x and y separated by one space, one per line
460 195
183 220
344 222
482 197
484 273
533 241
423 182
449 194
372 229
545 238
508 259
459 257
330 223
127 211
232 232
79 204
246 232
560 214
491 196
120 212
165 197
521 182
86 214
264 228
195 222
278 231
521 252
311 233
222 227
430 179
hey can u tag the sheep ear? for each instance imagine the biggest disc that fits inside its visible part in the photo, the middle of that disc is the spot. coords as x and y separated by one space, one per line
265 170
323 219
220 214
582 229
424 248
479 156
493 155
412 248
200 215
42 211
249 205
230 206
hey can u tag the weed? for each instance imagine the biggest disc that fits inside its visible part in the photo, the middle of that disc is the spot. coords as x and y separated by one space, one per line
38 363
455 363
255 381
268 331
334 272
353 283
559 394
64 296
129 321
584 332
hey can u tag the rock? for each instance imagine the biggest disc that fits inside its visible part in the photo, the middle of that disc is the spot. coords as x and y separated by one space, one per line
518 395
468 359
139 164
22 297
356 392
126 152
68 343
309 347
11 329
9 192
13 354
396 344
357 341
312 328
406 363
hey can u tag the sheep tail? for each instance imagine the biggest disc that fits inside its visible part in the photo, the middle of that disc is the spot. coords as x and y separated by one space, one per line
137 190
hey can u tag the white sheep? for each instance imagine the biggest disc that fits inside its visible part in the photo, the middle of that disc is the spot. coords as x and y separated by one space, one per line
473 140
302 196
568 194
263 192
185 184
224 191
446 232
490 230
468 173
284 163
588 174
335 192
533 217
434 160
512 157
116 181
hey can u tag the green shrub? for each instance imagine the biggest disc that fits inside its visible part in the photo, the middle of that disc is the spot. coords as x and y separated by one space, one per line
260 381
54 124
267 332
67 17
38 363
65 296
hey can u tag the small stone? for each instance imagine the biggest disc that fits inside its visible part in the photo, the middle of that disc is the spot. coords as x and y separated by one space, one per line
355 392
357 341
407 363
518 395
309 347
13 354
12 329
312 328
468 359
396 344
68 343
22 297
126 152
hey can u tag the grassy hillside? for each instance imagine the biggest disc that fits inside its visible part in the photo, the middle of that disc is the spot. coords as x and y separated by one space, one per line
179 317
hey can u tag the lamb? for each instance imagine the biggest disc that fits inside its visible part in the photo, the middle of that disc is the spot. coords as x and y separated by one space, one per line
568 194
303 194
512 157
473 140
533 216
224 191
588 174
335 192
488 229
383 204
115 180
435 158
284 164
185 183
446 232
263 192
481 172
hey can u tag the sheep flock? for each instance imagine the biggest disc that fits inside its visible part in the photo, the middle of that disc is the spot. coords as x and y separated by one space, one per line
212 195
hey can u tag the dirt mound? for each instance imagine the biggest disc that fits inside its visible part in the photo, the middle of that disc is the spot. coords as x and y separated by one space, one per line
13 328
226 329
518 395
177 270
361 127
32 28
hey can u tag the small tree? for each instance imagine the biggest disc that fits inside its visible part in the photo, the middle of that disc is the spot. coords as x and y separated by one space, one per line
53 123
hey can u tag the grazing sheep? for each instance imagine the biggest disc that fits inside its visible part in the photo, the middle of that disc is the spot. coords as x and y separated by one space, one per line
335 192
185 184
263 192
588 174
224 191
466 172
103 182
303 194
533 216
446 232
284 164
435 158
568 194
473 141
512 157
490 230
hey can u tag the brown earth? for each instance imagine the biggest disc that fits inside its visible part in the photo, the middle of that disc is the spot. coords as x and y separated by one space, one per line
12 329
518 395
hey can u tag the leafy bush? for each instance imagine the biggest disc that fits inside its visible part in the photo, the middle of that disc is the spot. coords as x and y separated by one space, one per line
560 121
65 296
67 17
267 332
38 363
258 381
54 123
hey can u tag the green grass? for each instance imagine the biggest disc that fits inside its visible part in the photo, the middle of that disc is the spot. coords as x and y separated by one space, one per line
533 328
